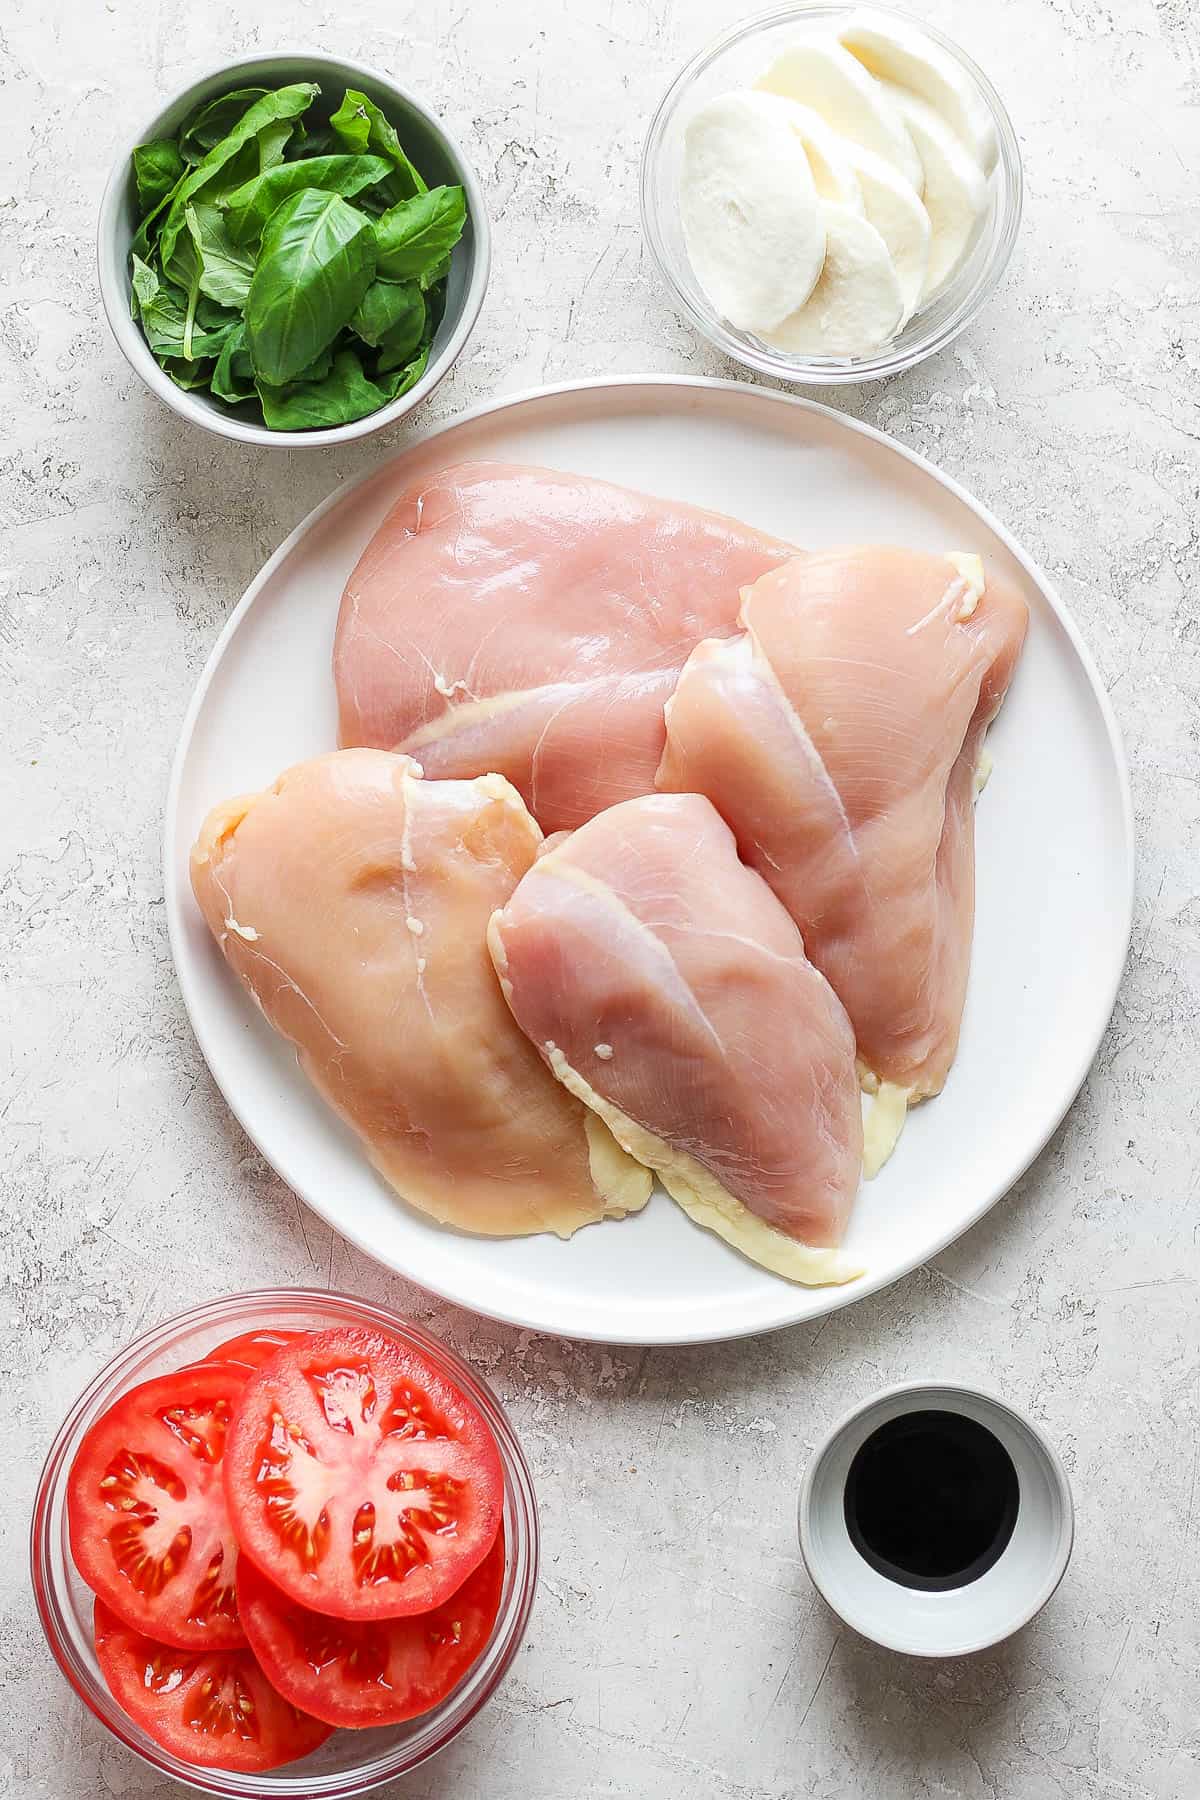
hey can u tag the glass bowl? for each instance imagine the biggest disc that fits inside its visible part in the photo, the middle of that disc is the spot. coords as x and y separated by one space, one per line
735 60
349 1762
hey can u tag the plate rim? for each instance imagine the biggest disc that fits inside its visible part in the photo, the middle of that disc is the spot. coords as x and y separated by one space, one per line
835 1297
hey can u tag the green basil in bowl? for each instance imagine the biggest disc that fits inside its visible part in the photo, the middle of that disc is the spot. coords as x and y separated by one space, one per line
297 247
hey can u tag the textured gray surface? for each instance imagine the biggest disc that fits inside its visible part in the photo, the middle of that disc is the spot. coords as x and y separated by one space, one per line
677 1649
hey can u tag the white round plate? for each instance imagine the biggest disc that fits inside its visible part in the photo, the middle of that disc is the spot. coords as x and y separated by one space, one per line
1055 863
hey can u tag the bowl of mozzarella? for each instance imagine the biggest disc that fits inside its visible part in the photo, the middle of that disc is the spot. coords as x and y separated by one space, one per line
831 192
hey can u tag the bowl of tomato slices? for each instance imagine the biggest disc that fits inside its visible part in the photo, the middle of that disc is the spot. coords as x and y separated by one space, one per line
285 1544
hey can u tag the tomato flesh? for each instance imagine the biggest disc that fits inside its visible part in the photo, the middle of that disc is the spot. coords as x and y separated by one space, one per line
361 1481
146 1510
251 1349
379 1672
213 1708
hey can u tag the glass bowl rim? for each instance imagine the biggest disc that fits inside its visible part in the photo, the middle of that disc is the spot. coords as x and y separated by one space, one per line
891 359
444 1722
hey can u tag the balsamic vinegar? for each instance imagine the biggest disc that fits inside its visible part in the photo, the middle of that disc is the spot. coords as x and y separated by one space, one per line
931 1500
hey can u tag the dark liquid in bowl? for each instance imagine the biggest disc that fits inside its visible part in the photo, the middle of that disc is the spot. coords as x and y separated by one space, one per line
931 1500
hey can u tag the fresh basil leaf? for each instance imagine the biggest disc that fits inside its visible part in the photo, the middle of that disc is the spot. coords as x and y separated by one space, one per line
285 104
187 375
435 306
215 120
391 313
414 238
163 310
233 377
398 380
140 244
316 263
435 273
185 270
346 393
319 367
151 225
272 142
144 284
213 317
204 261
256 155
156 168
250 206
392 358
226 268
360 126
316 140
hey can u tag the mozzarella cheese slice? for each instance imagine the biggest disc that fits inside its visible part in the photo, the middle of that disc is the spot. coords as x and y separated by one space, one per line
955 192
894 51
857 304
898 214
829 157
822 74
748 206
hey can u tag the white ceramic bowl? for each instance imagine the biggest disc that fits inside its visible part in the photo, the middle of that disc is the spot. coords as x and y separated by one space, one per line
958 1620
435 152
735 60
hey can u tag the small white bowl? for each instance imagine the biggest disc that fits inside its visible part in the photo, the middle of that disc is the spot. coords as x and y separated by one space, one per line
735 60
958 1620
435 152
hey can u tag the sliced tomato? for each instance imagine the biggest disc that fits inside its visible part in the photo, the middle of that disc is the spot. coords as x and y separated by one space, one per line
370 1673
252 1349
215 1708
150 1533
359 1480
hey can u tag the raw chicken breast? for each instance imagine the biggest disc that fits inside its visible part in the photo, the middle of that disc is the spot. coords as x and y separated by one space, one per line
534 623
666 986
352 901
840 736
